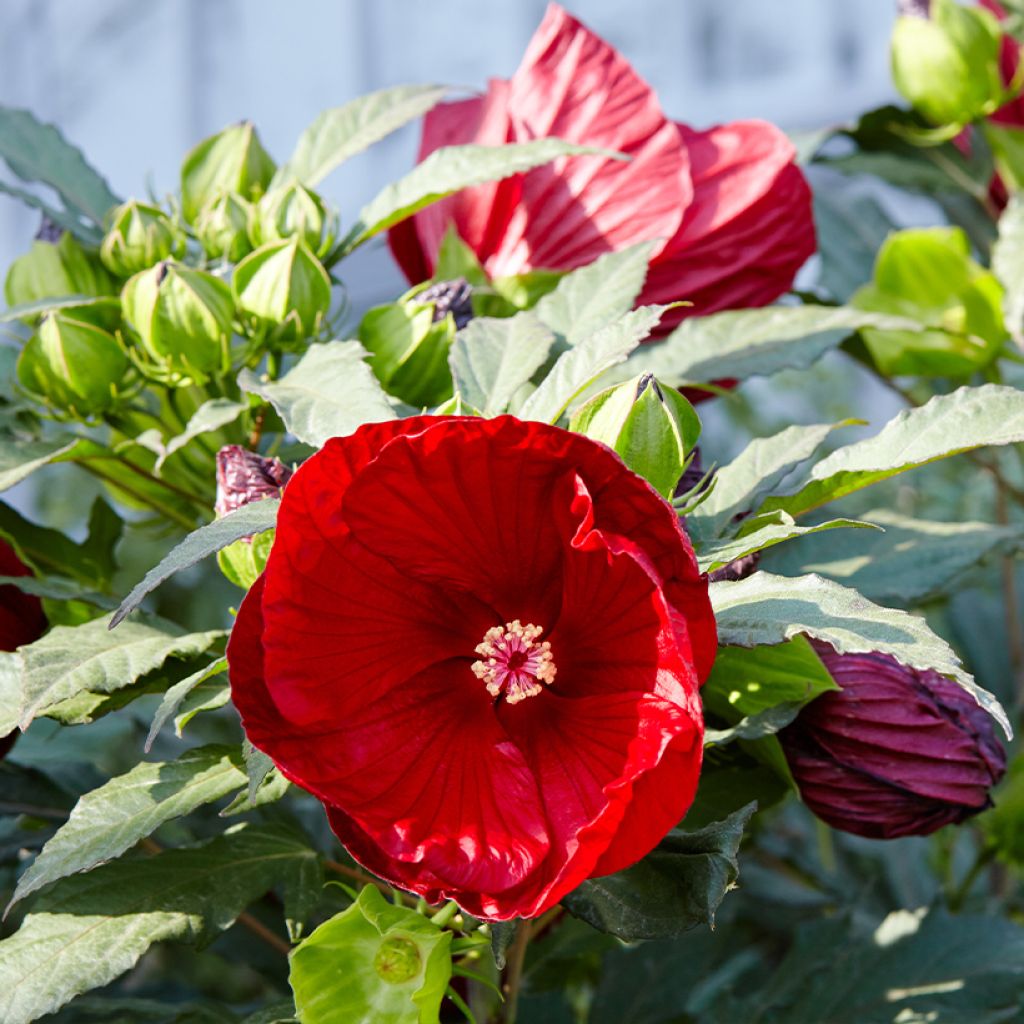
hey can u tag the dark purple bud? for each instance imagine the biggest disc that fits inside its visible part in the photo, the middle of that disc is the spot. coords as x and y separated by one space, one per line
49 231
894 752
739 569
244 476
455 297
913 8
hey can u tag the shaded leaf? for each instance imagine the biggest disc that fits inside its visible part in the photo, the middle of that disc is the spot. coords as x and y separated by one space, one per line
173 698
1008 265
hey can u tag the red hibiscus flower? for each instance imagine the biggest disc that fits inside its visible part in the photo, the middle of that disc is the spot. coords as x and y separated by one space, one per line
479 643
731 209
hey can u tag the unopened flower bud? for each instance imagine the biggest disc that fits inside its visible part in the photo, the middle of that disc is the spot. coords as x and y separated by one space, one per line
244 476
139 237
56 267
895 751
295 210
233 160
652 428
72 365
222 227
183 318
455 297
284 288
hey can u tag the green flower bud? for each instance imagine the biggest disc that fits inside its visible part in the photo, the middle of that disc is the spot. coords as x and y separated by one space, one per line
140 236
948 66
230 161
72 365
222 227
296 210
283 288
183 317
652 428
54 269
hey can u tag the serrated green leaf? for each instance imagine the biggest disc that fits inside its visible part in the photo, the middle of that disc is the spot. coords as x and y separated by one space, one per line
341 132
765 609
913 559
211 415
65 219
112 819
970 417
255 517
492 359
19 459
33 309
329 392
587 299
72 659
91 928
209 695
677 886
1008 265
754 342
173 698
38 152
449 170
584 363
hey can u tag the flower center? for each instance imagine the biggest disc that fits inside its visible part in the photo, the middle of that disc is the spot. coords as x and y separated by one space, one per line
514 662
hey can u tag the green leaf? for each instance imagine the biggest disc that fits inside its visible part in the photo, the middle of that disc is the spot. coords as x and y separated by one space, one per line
328 393
173 698
754 342
579 367
341 132
211 415
502 934
91 928
1008 265
212 693
755 473
449 170
372 962
38 152
492 359
970 417
255 517
257 767
719 553
30 310
62 218
765 609
19 459
587 299
72 659
112 819
754 727
913 559
674 888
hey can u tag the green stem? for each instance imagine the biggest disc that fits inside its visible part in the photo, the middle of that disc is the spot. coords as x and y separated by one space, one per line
514 971
167 513
956 898
445 914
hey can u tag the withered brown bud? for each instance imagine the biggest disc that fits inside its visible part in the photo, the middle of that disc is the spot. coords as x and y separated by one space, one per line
244 476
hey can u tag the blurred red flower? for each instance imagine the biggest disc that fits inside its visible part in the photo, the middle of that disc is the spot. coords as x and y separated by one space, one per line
479 643
730 207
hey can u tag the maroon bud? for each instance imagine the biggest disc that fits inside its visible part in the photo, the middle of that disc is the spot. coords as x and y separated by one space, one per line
455 297
895 752
738 569
244 476
913 8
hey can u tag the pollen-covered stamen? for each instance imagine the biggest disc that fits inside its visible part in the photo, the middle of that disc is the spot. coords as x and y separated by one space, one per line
514 663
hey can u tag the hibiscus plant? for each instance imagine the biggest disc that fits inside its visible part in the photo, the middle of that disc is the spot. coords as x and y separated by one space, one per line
550 643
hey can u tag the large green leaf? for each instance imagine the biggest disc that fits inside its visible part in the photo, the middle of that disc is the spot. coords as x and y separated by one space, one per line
449 170
911 560
674 888
341 132
948 424
33 309
255 517
372 962
587 299
767 609
112 819
491 359
176 696
71 659
211 415
1008 265
91 928
579 367
62 218
19 459
38 152
751 342
328 393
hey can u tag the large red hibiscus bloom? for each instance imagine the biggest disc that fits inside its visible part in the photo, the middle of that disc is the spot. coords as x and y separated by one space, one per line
730 208
479 643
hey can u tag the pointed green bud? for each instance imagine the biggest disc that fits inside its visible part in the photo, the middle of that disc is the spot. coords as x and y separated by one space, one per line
183 318
54 269
72 365
947 66
139 237
222 227
652 428
233 160
283 288
294 210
